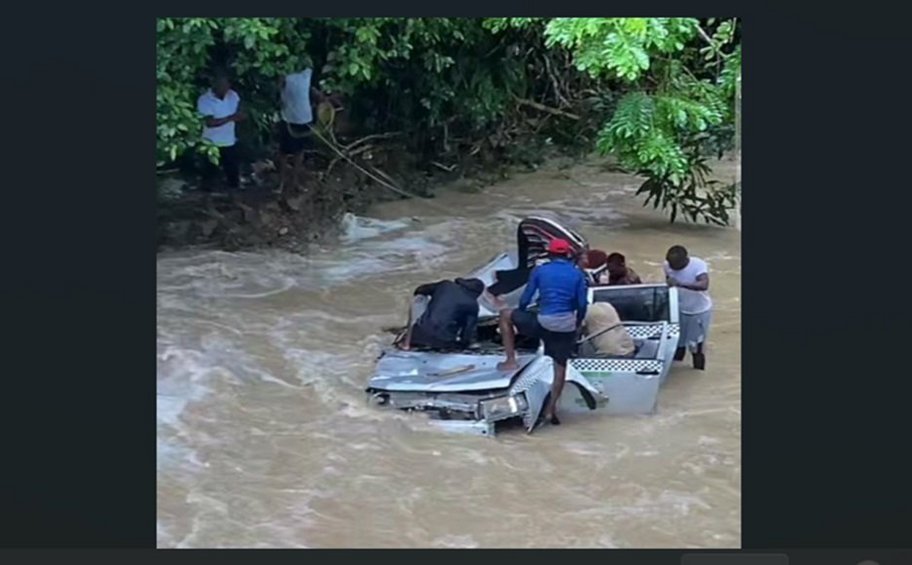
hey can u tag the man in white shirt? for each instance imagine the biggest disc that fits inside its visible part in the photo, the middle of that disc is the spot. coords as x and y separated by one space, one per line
219 107
294 128
691 276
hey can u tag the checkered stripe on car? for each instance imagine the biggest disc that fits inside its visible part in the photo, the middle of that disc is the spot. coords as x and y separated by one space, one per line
615 365
655 330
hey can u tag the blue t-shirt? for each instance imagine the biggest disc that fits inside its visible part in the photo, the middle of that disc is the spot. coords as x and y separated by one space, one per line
562 290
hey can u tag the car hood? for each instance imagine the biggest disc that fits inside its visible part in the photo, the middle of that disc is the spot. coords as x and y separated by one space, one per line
423 371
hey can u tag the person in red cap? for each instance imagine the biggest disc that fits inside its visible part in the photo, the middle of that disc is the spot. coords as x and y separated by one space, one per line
562 302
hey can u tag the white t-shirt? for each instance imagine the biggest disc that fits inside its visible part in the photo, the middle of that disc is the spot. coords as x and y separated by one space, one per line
296 107
691 301
210 105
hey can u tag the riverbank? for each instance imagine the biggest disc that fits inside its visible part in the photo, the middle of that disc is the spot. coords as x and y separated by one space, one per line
260 217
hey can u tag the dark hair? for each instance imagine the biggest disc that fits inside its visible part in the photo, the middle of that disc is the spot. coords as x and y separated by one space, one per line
677 250
616 258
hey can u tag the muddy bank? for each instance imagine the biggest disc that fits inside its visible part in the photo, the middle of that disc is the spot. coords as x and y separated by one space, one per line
258 216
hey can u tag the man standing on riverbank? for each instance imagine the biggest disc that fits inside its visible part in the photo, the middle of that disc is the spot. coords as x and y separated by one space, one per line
562 301
294 128
691 276
219 107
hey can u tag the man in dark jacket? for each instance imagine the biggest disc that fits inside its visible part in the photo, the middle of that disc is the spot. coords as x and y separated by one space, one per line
449 319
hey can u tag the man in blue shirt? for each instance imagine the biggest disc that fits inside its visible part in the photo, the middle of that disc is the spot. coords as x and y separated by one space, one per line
562 302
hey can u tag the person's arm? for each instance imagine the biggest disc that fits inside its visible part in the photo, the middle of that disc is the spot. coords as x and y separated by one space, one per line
206 111
427 289
318 96
529 292
701 284
582 300
634 277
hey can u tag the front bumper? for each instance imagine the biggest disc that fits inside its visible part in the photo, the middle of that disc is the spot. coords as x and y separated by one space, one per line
474 413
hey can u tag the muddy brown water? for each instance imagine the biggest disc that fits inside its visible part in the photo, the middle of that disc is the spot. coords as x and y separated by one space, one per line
265 438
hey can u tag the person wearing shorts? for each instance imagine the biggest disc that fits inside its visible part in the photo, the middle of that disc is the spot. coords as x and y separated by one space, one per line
294 129
691 276
562 301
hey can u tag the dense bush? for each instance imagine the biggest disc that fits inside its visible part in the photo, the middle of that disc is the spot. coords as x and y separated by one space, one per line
655 92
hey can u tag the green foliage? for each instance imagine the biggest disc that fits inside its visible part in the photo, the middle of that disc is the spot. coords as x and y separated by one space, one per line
695 196
658 93
661 128
623 47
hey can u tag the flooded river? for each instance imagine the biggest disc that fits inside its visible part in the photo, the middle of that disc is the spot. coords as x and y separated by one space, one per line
265 438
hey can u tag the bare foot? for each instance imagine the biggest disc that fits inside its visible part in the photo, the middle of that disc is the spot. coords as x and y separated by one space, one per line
507 366
404 346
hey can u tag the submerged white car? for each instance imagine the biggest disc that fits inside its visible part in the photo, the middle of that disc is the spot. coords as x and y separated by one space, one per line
462 391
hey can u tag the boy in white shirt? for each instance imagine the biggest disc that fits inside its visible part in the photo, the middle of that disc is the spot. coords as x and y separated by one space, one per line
691 276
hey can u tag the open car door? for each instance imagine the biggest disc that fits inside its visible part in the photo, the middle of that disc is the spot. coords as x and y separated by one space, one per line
630 385
506 274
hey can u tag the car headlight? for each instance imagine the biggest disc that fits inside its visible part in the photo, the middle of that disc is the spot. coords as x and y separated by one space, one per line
503 407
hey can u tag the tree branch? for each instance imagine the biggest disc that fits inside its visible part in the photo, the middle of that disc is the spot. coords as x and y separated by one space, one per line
543 108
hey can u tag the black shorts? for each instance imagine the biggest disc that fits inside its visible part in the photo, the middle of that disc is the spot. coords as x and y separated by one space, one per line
558 345
294 143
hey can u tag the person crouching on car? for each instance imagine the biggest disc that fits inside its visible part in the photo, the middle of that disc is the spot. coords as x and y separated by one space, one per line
562 300
444 315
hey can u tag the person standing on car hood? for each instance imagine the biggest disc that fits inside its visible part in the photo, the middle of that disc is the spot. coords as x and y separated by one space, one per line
444 315
691 276
562 301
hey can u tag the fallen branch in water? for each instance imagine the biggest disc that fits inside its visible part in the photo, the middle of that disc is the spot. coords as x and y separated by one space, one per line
548 109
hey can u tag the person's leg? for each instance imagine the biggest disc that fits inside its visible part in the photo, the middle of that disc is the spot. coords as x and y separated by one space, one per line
685 335
281 134
508 337
698 354
297 165
283 170
512 322
209 172
557 387
231 166
558 346
699 358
